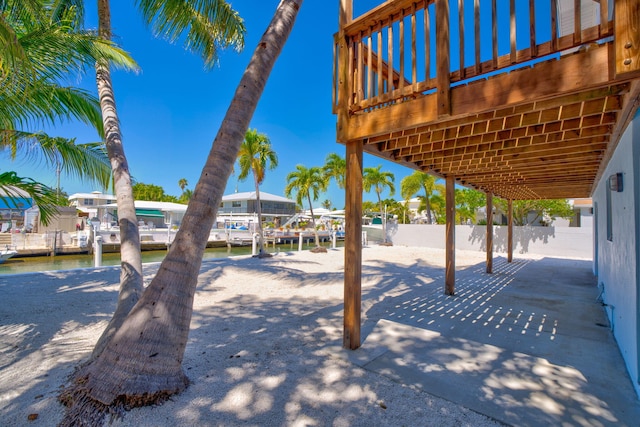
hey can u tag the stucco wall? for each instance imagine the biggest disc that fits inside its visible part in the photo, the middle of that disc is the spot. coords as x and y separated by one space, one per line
571 242
616 260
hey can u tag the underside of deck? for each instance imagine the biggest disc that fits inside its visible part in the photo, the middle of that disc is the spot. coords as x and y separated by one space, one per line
536 133
533 119
542 129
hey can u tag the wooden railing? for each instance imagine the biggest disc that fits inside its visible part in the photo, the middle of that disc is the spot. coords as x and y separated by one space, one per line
403 49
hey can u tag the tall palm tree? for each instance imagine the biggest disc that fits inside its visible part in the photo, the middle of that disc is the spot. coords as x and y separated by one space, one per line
336 167
378 180
142 363
307 183
415 182
205 26
42 44
255 156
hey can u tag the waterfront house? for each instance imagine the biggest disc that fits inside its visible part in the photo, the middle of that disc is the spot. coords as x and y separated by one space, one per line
240 208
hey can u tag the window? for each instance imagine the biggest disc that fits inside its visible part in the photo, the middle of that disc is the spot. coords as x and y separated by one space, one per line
236 204
88 202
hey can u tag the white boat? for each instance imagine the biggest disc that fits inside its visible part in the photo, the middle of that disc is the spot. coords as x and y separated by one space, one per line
7 253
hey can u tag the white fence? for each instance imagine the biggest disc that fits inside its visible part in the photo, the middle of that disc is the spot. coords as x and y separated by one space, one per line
569 242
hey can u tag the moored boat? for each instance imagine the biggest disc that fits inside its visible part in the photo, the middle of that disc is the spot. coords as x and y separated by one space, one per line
7 253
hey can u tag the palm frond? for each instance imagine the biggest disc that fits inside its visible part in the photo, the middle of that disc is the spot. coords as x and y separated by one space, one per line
205 25
44 197
87 162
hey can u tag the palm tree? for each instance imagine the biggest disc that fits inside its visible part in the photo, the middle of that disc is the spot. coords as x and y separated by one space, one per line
415 182
255 156
182 183
307 183
378 180
43 45
142 362
336 167
208 25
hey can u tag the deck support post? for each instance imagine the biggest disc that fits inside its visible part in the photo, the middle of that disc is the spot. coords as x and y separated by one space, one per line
489 232
450 253
443 66
626 37
346 16
353 247
510 231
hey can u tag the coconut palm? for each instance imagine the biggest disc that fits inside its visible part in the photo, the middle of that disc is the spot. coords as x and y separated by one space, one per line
205 26
336 167
307 183
412 184
182 183
255 156
41 46
378 180
142 363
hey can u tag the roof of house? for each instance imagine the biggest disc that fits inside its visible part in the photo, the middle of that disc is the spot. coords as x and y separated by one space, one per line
92 195
251 195
160 206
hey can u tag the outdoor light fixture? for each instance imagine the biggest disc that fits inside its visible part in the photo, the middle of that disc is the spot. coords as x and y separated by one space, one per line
615 182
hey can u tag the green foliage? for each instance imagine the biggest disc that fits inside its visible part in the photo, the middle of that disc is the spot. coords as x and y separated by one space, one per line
467 203
306 183
44 197
395 208
151 192
369 207
256 155
204 26
554 208
336 168
43 44
412 184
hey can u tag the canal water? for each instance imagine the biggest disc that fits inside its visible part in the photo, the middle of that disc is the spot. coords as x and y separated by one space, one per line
68 262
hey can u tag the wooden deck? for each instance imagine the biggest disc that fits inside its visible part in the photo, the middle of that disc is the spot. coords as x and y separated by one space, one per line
538 122
521 100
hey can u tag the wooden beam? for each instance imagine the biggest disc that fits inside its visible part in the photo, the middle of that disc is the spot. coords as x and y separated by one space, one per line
489 233
345 17
450 256
353 247
443 63
627 37
509 230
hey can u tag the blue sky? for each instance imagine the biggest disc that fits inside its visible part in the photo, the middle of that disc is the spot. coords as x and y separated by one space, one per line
170 111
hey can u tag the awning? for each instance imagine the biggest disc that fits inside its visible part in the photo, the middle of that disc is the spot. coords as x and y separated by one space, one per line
150 213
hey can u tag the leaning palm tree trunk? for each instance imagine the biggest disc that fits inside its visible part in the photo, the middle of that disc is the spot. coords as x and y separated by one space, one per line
142 362
131 280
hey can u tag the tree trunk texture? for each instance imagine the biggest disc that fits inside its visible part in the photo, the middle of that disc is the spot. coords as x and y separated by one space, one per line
142 363
131 279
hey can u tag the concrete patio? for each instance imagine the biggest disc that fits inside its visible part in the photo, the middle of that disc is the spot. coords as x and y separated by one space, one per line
529 345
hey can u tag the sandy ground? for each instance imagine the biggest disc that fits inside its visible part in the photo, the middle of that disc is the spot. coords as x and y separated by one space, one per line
264 348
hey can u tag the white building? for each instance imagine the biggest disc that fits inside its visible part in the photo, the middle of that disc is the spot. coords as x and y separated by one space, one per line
89 202
241 207
616 263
